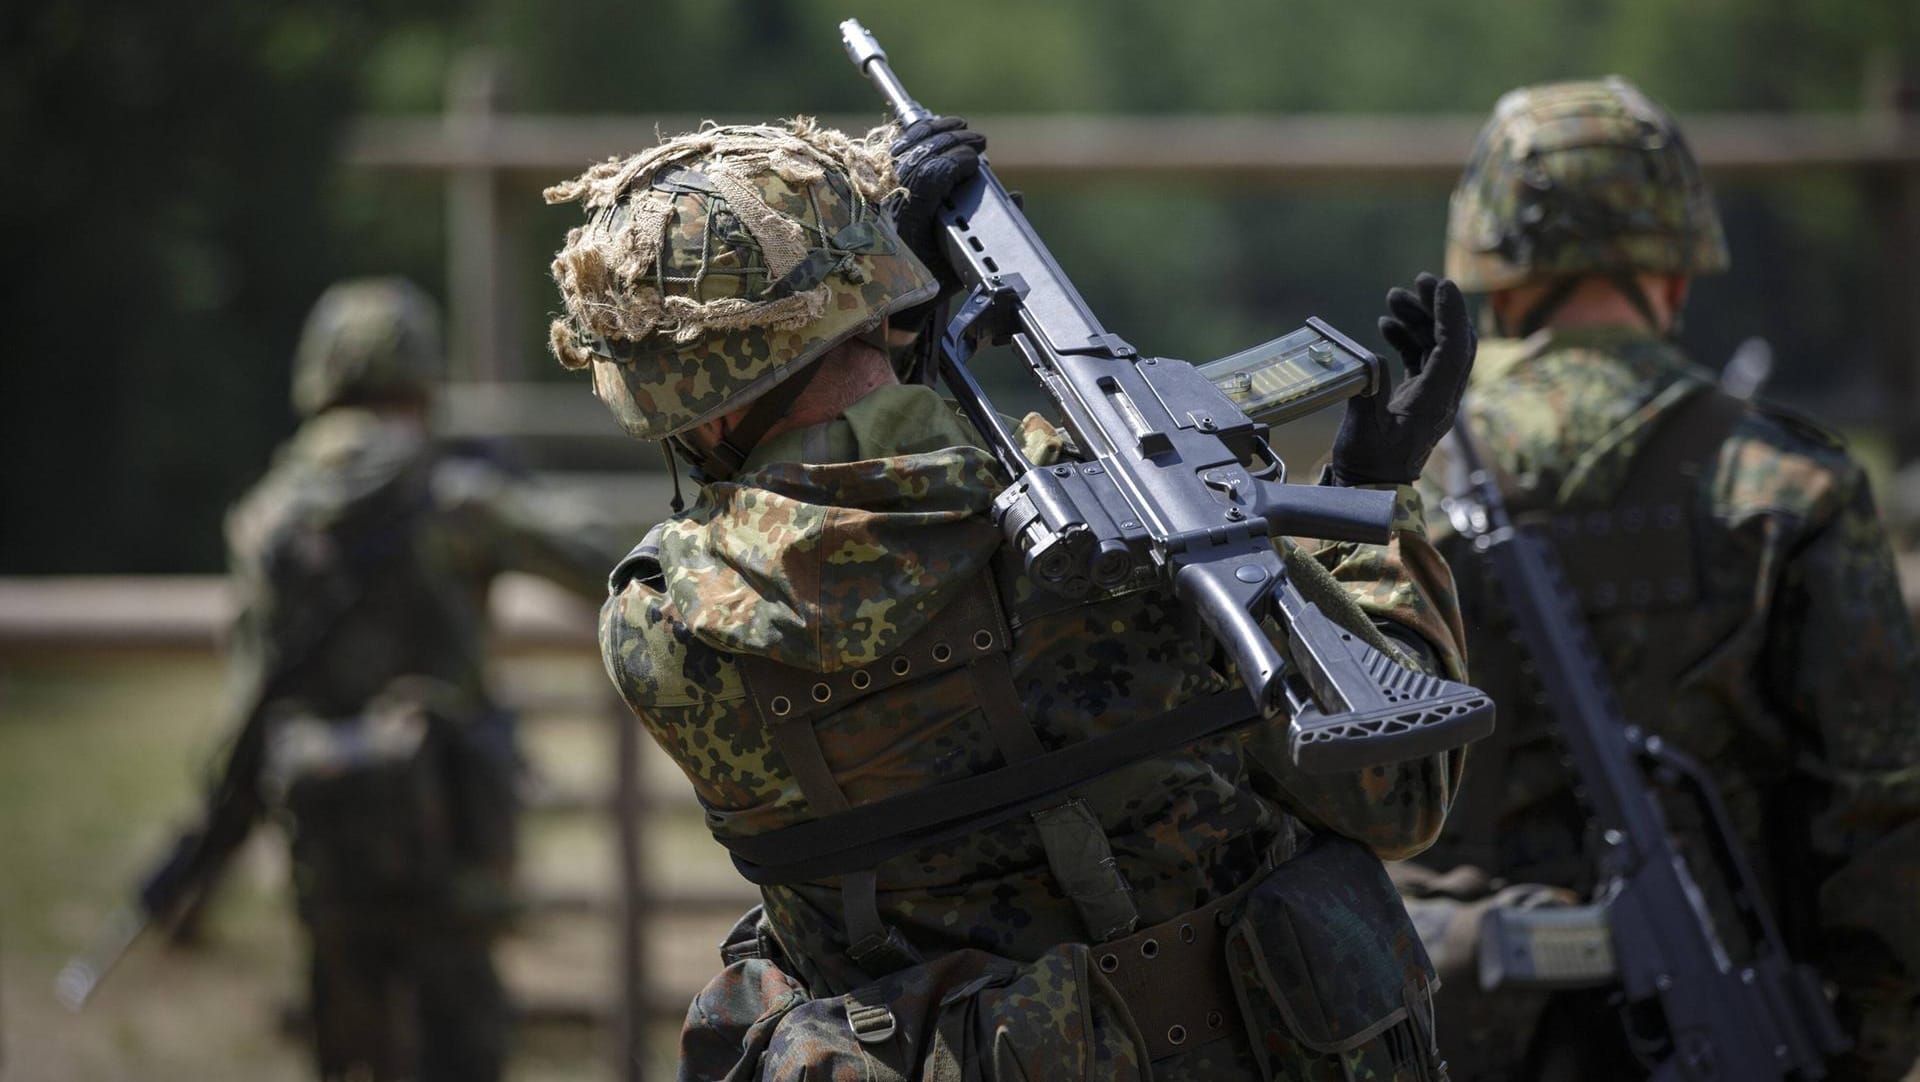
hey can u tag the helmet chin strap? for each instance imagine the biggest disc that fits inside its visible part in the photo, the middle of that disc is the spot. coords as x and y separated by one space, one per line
729 453
1561 289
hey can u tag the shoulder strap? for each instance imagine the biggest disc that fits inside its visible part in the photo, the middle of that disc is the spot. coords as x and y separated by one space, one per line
871 833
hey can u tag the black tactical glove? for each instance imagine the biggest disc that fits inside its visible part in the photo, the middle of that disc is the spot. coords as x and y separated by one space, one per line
1386 438
932 157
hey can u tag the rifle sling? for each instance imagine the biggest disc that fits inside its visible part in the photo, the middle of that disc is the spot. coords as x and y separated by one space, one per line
864 836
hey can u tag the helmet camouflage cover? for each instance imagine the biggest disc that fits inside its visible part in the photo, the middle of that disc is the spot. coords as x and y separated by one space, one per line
1580 178
367 340
720 262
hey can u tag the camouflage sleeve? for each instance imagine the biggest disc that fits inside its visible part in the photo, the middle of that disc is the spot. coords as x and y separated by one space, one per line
1404 586
526 525
1404 590
1843 657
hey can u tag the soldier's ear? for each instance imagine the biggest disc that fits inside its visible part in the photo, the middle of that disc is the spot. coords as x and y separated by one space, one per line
1674 292
1498 311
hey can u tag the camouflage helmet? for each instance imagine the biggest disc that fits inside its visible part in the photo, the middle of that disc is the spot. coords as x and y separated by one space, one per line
368 339
1580 178
723 261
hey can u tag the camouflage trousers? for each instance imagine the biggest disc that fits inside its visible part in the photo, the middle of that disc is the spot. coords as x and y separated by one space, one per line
1327 974
387 1005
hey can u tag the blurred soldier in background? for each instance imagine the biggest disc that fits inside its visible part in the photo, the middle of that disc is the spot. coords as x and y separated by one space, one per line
362 563
832 623
1736 578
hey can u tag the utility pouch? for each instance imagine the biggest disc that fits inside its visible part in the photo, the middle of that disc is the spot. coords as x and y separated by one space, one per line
405 813
1330 974
967 1015
366 805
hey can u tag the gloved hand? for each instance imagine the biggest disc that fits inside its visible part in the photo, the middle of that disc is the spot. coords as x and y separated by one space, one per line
1385 438
931 158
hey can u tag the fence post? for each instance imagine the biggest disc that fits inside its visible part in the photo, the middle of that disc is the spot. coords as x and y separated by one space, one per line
482 305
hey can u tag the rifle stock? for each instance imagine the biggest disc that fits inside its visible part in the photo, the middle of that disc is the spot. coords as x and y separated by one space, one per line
1178 483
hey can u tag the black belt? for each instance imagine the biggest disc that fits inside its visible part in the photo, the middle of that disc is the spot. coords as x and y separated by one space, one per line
862 837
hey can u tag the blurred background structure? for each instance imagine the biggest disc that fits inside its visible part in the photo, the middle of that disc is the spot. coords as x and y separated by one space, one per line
183 181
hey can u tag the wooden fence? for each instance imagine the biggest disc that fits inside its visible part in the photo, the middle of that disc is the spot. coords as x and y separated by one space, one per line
493 161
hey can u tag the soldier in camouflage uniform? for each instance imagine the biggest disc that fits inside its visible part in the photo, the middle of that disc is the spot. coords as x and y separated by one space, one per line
834 625
1731 566
362 562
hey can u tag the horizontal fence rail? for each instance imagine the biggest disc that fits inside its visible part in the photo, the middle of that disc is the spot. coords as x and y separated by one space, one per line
1267 149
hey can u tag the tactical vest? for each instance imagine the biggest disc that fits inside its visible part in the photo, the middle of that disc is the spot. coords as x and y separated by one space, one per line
1639 555
1172 977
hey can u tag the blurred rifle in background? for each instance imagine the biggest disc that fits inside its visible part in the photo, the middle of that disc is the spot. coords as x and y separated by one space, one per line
174 890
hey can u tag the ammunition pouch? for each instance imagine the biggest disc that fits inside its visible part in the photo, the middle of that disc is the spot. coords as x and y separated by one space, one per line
967 1014
399 815
1330 975
1315 964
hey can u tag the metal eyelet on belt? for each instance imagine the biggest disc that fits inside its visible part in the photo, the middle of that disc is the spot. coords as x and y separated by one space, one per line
1177 1035
901 666
1187 934
1150 948
1109 963
941 652
871 1024
861 681
782 706
1215 1019
821 692
983 640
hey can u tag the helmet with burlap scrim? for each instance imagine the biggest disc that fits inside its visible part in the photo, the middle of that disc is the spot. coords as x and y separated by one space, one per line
368 340
1580 178
721 262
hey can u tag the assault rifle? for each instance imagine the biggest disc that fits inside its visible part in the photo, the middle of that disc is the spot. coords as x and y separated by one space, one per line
1650 927
1178 482
177 884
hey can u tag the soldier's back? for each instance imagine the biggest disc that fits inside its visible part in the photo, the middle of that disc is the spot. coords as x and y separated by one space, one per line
346 554
1740 589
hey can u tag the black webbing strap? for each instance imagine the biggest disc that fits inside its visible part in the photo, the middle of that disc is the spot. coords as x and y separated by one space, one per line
1560 289
1543 309
1006 715
863 837
874 946
730 452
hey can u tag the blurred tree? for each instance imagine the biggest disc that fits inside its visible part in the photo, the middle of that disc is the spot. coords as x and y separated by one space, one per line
164 204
